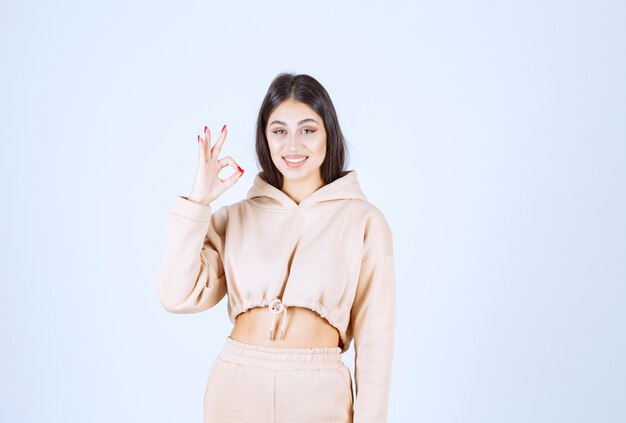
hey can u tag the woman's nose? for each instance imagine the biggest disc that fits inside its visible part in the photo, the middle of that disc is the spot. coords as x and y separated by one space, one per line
293 142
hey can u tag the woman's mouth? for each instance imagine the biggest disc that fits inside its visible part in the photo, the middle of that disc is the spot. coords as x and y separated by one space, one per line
295 161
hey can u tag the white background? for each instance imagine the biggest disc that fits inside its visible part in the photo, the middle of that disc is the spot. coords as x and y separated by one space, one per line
491 134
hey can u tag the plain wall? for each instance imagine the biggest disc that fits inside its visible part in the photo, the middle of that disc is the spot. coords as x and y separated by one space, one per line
491 134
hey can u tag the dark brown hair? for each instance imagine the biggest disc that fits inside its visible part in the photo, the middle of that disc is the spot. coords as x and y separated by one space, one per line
308 90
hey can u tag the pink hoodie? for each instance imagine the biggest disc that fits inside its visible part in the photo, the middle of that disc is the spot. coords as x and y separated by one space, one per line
332 253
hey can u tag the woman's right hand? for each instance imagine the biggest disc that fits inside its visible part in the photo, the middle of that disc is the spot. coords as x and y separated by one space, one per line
208 186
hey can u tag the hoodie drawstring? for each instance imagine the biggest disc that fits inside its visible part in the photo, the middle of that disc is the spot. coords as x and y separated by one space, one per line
276 307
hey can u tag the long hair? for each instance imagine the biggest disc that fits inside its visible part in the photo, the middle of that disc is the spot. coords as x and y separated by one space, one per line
308 90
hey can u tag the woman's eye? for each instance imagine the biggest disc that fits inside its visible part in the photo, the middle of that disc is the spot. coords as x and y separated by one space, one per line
279 131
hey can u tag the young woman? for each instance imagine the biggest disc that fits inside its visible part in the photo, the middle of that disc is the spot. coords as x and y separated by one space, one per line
307 265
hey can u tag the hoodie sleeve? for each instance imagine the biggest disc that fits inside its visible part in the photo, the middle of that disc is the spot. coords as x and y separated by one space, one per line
191 278
373 325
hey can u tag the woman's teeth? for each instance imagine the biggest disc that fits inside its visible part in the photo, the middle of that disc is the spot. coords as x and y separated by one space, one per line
295 162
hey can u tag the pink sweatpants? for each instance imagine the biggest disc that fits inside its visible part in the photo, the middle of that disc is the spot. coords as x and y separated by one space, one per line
253 383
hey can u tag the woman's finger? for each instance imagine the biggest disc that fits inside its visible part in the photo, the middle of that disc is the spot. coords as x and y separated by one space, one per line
217 148
202 142
230 181
228 161
207 136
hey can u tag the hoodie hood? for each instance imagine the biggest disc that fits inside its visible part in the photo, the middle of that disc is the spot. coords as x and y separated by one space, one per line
266 196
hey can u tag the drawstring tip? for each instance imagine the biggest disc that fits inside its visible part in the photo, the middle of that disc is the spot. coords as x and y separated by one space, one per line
275 307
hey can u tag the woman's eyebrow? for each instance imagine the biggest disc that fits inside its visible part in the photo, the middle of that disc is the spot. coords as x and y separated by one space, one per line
299 123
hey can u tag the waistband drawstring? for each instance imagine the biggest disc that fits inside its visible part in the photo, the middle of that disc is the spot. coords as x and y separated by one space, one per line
275 307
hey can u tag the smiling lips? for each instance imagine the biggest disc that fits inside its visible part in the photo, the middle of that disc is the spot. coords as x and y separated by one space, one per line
294 161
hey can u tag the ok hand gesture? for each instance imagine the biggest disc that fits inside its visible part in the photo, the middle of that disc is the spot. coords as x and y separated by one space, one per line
208 186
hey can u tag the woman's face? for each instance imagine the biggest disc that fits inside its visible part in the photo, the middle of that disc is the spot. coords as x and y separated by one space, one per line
294 132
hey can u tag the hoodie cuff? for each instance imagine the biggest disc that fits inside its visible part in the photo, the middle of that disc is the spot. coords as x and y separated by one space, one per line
190 209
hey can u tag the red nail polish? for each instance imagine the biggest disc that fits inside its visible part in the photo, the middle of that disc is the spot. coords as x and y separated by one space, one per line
205 129
223 128
198 137
240 169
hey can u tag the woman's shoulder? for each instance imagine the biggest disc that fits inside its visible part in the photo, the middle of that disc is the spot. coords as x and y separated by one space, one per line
377 232
372 213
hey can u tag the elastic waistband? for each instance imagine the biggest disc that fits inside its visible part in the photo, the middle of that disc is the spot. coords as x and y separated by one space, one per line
280 358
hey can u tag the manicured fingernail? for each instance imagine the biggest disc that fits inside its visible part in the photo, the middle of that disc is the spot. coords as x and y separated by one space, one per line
223 128
240 169
205 129
198 137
